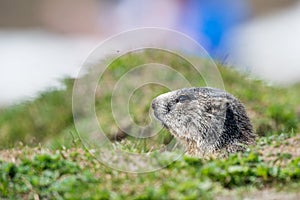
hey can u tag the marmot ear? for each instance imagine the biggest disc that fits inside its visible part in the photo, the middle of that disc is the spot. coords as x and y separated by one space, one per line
223 110
219 107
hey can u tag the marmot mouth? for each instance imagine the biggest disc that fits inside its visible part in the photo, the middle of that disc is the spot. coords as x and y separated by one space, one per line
158 117
165 126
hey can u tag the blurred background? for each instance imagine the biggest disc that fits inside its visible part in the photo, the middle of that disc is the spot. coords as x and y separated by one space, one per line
42 41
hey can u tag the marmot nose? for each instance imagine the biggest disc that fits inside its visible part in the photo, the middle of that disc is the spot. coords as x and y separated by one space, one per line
153 105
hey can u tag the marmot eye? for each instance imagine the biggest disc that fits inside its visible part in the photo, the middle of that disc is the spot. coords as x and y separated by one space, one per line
182 98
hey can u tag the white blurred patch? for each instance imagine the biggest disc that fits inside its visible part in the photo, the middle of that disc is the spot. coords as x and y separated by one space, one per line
31 61
269 47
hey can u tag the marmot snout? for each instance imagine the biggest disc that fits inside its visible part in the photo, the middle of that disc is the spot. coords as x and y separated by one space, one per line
207 121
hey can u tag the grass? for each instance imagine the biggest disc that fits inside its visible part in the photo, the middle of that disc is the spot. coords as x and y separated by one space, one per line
75 174
41 156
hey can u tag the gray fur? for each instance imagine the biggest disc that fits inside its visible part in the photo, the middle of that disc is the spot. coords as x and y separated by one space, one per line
208 121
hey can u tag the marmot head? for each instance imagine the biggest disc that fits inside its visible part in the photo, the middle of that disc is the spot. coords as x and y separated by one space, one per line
207 119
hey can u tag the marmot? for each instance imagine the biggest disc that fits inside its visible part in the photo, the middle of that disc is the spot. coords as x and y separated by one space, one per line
208 121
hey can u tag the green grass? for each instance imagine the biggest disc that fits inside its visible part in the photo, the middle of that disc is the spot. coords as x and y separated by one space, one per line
41 154
75 174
